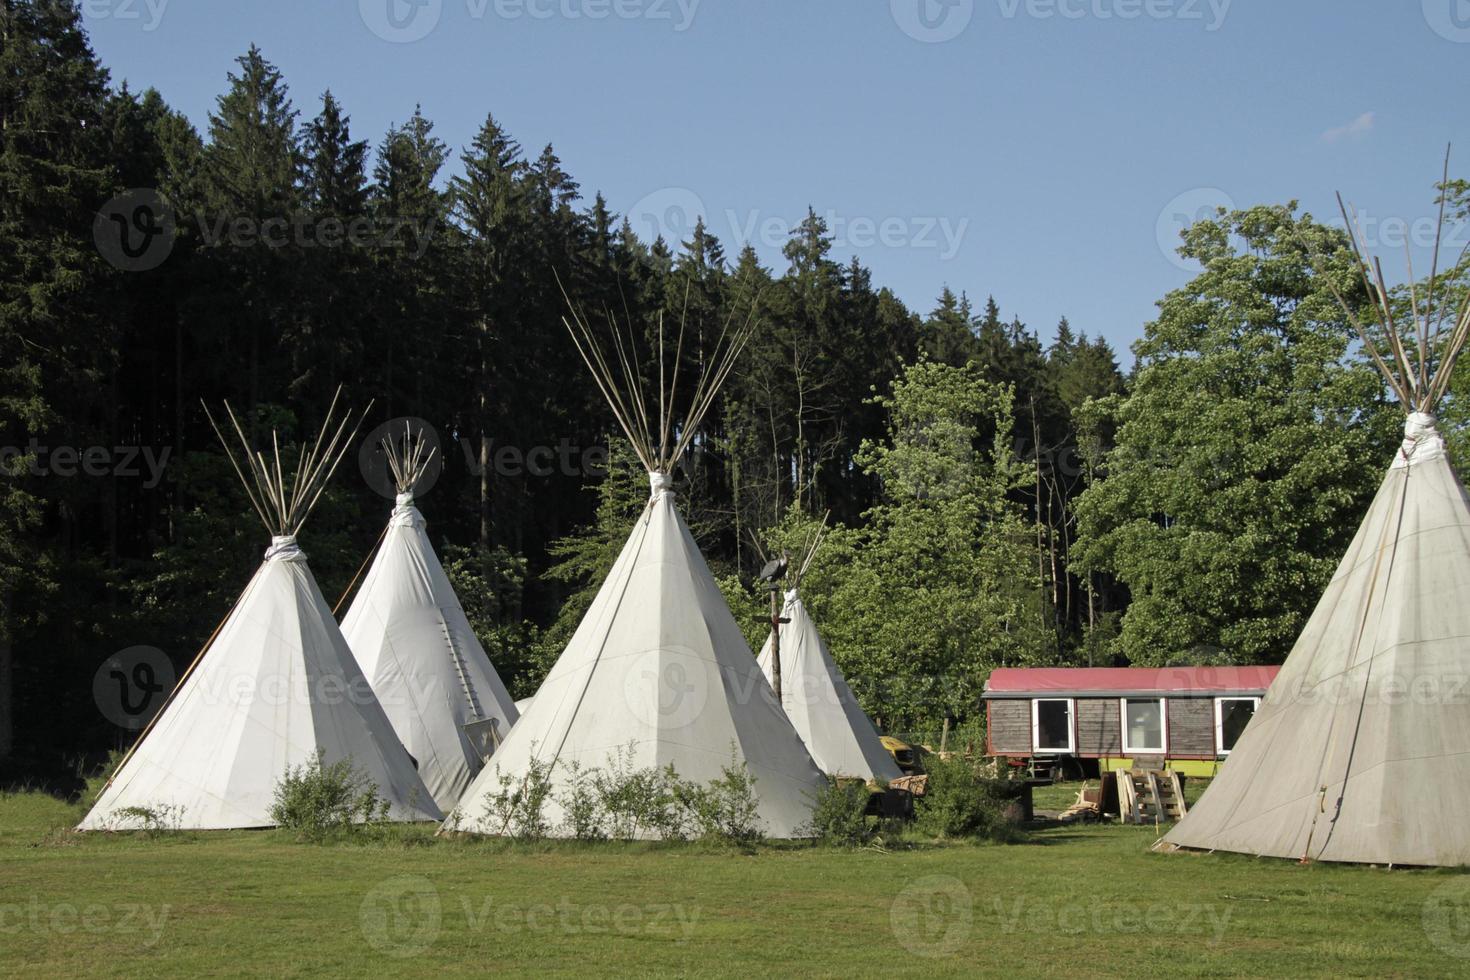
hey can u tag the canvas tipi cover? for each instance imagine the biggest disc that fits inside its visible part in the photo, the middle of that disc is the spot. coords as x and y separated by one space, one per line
659 671
424 662
1361 750
276 686
817 699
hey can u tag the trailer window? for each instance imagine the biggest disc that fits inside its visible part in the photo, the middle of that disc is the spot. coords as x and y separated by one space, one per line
1051 725
1143 725
1231 717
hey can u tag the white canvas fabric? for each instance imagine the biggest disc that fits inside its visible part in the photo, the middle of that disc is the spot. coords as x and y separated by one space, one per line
659 666
426 666
1361 750
817 699
277 686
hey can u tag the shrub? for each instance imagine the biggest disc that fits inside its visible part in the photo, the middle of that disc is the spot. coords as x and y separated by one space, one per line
584 816
839 814
153 821
961 802
318 800
639 802
518 808
725 809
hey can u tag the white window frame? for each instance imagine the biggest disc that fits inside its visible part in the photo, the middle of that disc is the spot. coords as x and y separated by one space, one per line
1071 748
1220 748
1163 704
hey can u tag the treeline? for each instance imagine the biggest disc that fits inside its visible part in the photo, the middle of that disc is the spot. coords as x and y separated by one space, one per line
997 497
150 266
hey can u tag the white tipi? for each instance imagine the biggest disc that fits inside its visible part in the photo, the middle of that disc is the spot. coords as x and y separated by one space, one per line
276 688
1361 750
658 671
817 698
415 645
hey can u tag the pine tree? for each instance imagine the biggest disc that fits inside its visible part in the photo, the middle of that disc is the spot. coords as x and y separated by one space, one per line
335 167
54 344
327 337
489 206
250 168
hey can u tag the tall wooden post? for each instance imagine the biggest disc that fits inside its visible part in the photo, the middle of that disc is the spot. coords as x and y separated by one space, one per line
776 641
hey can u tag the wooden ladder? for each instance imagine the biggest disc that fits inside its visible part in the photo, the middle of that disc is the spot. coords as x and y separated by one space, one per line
463 671
1150 796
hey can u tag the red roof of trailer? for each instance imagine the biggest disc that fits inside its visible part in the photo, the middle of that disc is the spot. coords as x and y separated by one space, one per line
1119 681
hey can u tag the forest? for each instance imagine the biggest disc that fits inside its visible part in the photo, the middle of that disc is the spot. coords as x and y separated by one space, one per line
999 493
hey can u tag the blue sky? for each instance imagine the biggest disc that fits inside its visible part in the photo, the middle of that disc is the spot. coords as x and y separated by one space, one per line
1044 151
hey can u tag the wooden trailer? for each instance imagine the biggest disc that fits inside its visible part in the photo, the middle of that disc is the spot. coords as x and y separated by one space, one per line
1185 719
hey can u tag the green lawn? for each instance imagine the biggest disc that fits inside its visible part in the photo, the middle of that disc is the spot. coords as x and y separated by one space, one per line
1081 901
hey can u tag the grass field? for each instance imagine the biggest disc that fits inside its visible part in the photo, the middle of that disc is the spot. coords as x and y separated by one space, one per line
1079 901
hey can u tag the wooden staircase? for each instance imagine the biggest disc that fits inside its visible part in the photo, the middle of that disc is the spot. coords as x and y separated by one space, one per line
1150 796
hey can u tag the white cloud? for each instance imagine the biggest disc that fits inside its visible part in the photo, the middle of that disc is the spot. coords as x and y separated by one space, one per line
1357 129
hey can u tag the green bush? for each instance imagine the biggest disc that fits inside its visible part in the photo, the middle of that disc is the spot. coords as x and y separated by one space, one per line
840 814
318 800
725 809
153 821
518 808
643 801
584 817
960 801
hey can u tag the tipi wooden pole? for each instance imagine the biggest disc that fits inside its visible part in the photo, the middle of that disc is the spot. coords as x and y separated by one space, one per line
776 640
